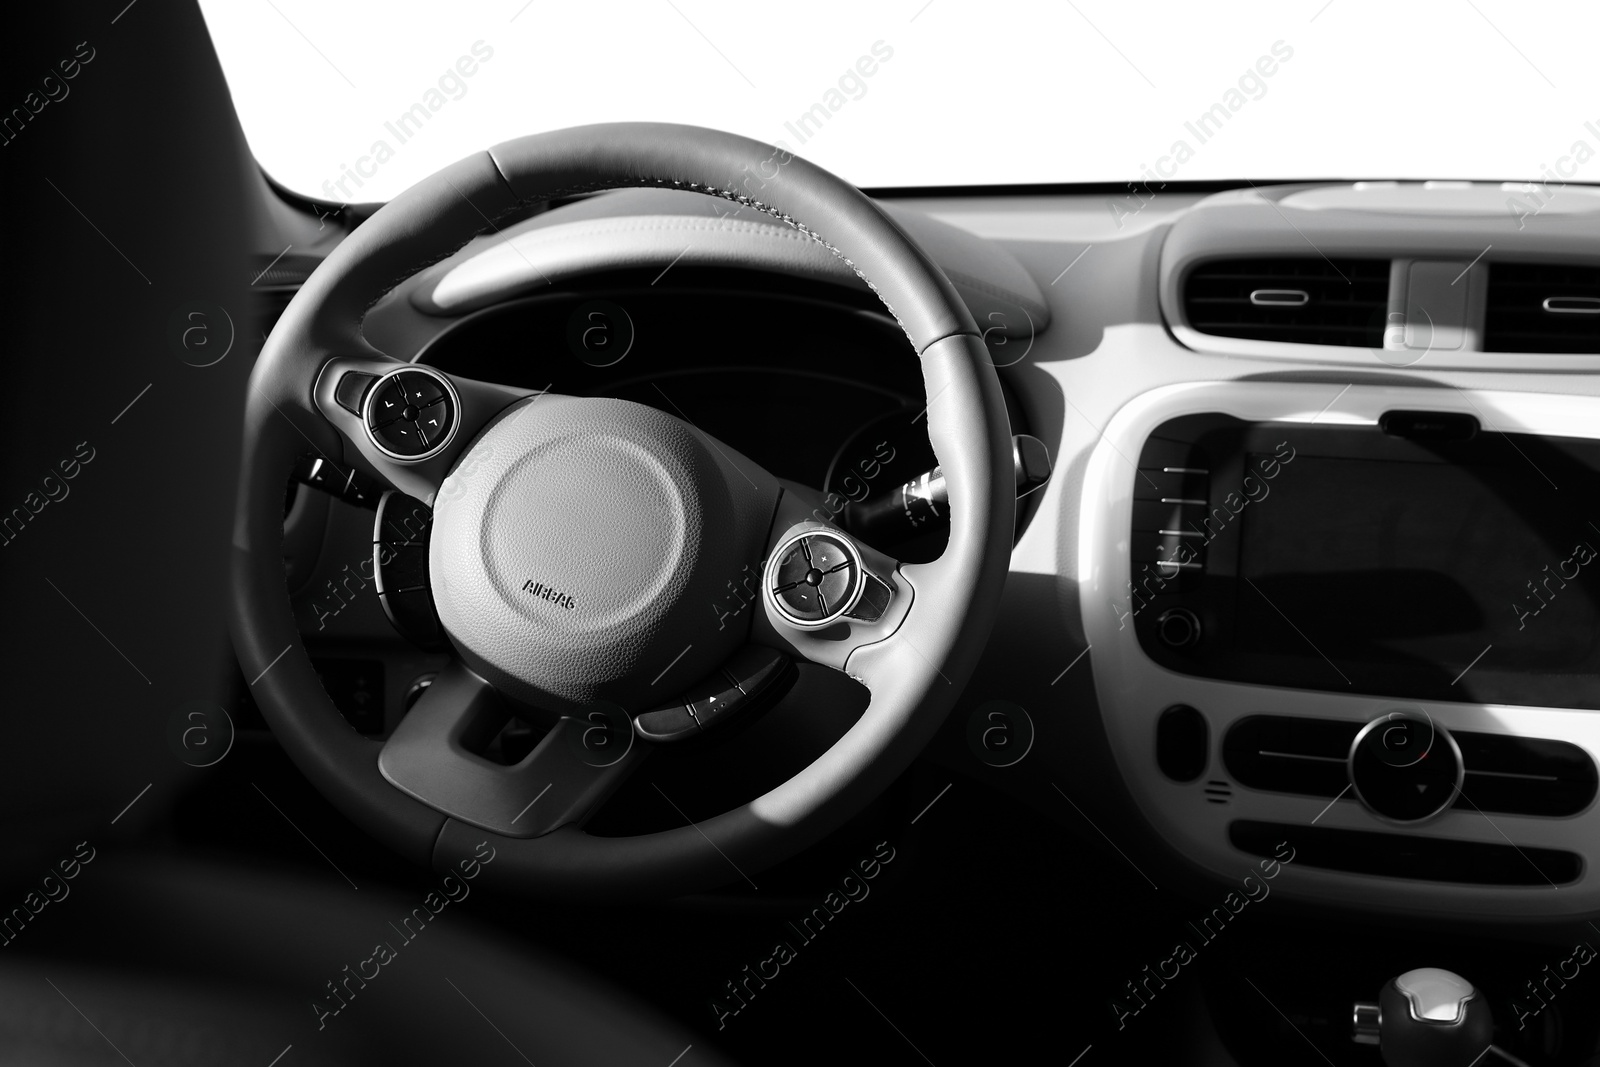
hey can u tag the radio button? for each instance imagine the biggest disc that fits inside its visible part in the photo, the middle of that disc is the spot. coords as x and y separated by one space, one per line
1178 628
1189 486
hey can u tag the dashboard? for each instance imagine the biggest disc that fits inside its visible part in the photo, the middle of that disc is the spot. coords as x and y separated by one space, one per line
1324 459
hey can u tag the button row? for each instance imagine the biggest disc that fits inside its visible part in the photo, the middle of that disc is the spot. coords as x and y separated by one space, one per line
1169 518
750 672
400 550
351 485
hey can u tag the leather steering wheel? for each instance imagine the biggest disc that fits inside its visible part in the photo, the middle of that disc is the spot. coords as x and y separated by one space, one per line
578 543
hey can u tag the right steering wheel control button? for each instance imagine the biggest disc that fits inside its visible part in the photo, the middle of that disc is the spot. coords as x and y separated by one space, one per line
814 579
1405 768
411 413
802 601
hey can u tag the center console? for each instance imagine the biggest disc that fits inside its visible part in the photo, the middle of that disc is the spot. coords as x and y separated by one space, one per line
1359 618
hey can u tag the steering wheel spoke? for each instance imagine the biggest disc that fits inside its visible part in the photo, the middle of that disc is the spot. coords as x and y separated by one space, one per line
409 421
433 756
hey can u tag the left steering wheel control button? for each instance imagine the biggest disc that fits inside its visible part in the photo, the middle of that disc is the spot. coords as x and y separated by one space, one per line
814 579
748 674
666 724
400 556
410 414
714 700
755 667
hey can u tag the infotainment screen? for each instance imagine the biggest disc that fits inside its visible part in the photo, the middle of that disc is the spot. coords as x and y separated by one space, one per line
1354 560
1424 565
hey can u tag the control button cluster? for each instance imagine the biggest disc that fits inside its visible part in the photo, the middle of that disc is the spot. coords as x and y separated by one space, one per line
411 413
400 557
351 485
815 578
751 671
1172 496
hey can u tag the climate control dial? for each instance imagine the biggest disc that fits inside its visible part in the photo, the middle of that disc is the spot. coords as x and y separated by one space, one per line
1405 767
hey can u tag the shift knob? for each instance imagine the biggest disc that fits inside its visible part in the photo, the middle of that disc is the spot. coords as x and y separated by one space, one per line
1433 1018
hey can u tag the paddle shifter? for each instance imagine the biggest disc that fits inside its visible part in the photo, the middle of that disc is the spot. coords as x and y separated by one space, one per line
1428 1018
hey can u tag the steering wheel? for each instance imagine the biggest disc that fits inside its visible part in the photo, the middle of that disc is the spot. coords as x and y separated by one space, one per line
579 543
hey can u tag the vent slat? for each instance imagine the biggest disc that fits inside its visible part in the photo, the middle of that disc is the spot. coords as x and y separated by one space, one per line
1515 319
1347 305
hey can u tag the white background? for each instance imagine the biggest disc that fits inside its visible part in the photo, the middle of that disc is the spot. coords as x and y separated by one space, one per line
1003 91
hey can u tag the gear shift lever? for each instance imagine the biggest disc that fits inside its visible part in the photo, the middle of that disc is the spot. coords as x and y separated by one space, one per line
1428 1018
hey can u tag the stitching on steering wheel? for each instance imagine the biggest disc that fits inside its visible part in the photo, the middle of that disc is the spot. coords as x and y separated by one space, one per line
592 187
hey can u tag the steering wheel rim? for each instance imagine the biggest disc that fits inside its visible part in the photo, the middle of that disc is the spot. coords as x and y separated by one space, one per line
914 668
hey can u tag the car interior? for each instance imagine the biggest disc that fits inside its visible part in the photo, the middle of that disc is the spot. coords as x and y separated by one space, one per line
547 615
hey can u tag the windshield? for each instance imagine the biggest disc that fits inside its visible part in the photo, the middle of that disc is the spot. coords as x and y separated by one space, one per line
354 102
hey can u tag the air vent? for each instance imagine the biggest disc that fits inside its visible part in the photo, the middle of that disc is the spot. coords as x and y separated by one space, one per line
1511 775
1525 775
1218 792
1311 300
1284 755
1542 307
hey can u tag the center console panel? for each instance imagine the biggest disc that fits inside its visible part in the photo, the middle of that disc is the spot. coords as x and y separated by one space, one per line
1271 567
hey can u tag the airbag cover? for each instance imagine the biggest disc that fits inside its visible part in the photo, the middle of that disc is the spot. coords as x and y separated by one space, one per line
578 548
